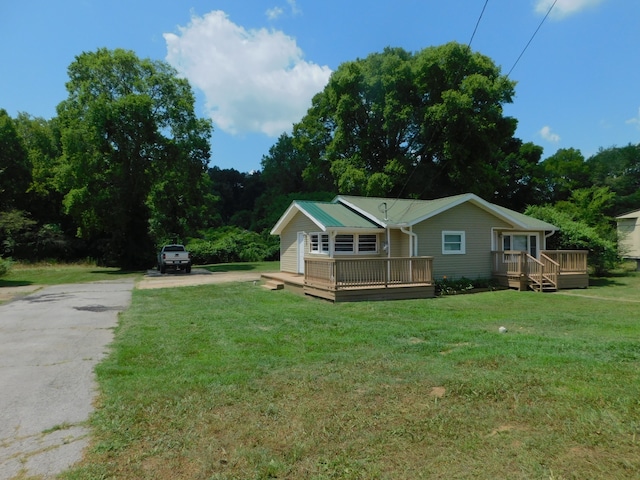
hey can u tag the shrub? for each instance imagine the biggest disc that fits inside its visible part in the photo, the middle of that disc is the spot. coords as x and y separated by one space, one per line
5 266
449 286
233 244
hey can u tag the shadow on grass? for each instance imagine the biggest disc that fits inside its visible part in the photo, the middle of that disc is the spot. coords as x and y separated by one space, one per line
15 283
230 267
605 281
118 272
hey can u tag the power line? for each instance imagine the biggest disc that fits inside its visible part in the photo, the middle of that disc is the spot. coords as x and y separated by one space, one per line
477 23
532 37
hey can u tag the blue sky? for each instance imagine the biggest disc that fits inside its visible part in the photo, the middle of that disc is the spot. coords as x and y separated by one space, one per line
255 64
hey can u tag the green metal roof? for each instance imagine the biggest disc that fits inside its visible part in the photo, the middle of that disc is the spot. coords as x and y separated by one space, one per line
351 212
398 211
392 211
529 222
334 215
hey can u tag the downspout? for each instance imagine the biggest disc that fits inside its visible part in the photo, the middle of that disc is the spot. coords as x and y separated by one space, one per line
413 246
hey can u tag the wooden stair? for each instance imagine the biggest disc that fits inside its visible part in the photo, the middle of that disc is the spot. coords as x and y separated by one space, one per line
546 286
273 285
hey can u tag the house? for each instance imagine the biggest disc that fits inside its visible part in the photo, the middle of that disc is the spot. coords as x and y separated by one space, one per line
629 236
355 248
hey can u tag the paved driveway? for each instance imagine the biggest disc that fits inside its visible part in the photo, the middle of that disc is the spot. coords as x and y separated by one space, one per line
50 342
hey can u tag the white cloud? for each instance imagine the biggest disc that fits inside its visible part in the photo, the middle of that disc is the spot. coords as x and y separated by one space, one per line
253 80
564 8
548 135
294 7
274 13
635 121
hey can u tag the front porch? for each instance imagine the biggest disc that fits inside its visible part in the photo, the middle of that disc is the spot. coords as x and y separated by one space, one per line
358 279
554 270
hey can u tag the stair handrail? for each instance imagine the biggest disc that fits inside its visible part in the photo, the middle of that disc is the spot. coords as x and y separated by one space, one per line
534 270
551 269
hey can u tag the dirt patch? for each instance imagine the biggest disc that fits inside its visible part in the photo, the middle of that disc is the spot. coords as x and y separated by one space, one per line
438 392
198 276
153 279
10 293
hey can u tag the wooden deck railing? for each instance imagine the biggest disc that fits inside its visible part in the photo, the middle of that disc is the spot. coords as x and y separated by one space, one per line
551 268
543 272
338 273
574 261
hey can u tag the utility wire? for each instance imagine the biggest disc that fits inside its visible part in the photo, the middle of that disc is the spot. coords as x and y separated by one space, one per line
477 23
532 37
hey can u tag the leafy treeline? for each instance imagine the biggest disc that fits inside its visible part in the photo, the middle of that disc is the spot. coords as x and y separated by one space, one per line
123 166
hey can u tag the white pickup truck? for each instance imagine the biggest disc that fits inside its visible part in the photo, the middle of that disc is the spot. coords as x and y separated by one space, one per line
174 257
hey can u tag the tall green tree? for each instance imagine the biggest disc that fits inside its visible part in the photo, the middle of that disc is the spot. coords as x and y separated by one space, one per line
41 140
425 124
15 169
618 168
283 167
134 154
520 183
562 173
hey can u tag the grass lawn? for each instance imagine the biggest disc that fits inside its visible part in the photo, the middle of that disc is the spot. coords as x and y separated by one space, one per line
60 273
236 382
243 267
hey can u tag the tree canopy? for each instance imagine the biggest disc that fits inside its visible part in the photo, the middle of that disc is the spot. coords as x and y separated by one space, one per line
134 154
124 166
426 125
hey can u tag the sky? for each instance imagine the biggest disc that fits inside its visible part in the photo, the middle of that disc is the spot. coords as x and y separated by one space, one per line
255 65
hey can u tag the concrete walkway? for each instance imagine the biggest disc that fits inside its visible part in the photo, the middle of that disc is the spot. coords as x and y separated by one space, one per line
50 342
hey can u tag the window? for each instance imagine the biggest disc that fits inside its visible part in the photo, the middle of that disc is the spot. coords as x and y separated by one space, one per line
367 243
453 243
533 246
344 244
355 244
521 243
319 242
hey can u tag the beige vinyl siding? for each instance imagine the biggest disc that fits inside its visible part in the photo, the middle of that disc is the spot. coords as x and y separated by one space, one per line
629 237
289 241
477 224
399 243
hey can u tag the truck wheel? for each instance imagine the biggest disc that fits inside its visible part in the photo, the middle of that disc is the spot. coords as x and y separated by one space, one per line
188 269
163 269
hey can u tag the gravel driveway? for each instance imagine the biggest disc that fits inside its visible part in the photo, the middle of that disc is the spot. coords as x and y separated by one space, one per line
198 276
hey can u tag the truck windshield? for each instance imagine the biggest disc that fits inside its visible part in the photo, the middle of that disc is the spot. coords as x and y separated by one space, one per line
174 248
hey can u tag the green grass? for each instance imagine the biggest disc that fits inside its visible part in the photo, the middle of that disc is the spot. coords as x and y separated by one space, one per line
60 273
236 382
243 267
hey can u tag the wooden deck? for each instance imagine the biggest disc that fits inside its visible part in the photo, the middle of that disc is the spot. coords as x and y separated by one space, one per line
363 279
402 278
554 270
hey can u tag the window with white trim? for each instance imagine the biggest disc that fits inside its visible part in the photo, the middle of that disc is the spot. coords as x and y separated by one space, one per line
355 244
521 242
343 243
367 243
319 243
453 242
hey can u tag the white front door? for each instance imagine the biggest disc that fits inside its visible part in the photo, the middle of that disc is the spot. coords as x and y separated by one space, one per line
300 252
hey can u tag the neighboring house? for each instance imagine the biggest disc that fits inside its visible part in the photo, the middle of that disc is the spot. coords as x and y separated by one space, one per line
397 247
629 236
